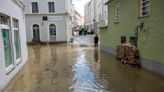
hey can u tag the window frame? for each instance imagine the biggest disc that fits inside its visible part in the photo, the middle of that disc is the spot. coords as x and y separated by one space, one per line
16 29
36 27
51 7
141 6
117 13
32 7
7 27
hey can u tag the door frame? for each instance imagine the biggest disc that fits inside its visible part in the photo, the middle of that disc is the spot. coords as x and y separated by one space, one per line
33 32
49 32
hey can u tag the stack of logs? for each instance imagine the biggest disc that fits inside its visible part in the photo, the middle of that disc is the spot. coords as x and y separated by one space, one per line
128 54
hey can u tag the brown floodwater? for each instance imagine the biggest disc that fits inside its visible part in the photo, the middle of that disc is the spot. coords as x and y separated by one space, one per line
80 68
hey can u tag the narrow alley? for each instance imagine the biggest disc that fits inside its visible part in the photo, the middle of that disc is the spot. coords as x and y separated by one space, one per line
80 68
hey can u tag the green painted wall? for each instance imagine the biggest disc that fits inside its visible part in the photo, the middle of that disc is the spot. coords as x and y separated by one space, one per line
150 41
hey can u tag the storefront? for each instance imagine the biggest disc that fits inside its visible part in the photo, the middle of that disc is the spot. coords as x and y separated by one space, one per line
13 48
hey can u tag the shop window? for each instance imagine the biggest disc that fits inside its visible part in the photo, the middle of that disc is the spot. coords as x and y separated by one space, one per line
144 8
4 20
17 38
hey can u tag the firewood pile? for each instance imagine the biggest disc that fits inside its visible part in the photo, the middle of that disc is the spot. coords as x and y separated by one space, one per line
128 54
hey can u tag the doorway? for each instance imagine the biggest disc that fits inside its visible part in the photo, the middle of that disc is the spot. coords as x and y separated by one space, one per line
36 34
52 32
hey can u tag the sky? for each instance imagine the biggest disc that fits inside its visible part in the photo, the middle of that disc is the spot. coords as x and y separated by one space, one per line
79 5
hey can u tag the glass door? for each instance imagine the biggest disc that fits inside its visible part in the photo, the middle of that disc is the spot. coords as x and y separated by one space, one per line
52 30
36 35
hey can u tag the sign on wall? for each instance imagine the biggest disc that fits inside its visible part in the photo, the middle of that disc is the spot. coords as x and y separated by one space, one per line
55 18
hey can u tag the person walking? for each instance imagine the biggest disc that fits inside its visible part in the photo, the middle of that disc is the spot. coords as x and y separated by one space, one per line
96 40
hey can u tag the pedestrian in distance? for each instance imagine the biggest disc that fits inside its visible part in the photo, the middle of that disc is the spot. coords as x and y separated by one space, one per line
96 40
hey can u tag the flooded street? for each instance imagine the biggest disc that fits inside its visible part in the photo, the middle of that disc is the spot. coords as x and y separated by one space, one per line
80 68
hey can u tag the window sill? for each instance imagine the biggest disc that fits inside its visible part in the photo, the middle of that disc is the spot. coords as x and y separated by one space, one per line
140 17
103 26
18 61
35 13
9 69
116 22
51 12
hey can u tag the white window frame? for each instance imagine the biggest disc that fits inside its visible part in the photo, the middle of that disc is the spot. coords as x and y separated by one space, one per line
141 6
18 60
117 13
7 26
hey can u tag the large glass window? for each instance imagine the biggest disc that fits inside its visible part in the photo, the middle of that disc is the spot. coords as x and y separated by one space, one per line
17 38
4 20
7 47
51 7
35 7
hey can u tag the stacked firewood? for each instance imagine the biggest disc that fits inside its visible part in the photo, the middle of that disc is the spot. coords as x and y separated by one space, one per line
128 54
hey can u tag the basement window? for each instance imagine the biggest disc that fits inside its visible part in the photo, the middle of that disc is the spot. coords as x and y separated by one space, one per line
144 8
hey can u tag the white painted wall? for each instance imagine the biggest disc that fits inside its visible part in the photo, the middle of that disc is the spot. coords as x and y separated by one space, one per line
68 7
7 7
62 8
44 28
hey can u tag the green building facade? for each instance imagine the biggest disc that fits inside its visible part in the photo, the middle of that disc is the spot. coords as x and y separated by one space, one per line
143 19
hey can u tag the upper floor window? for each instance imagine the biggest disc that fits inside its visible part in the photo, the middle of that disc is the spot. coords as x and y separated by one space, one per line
51 7
35 7
144 8
117 14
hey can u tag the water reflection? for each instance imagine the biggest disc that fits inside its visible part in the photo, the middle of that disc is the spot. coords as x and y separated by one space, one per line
85 73
75 68
96 54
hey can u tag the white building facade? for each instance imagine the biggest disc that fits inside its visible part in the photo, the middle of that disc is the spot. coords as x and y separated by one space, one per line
96 15
13 48
87 16
48 20
102 13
